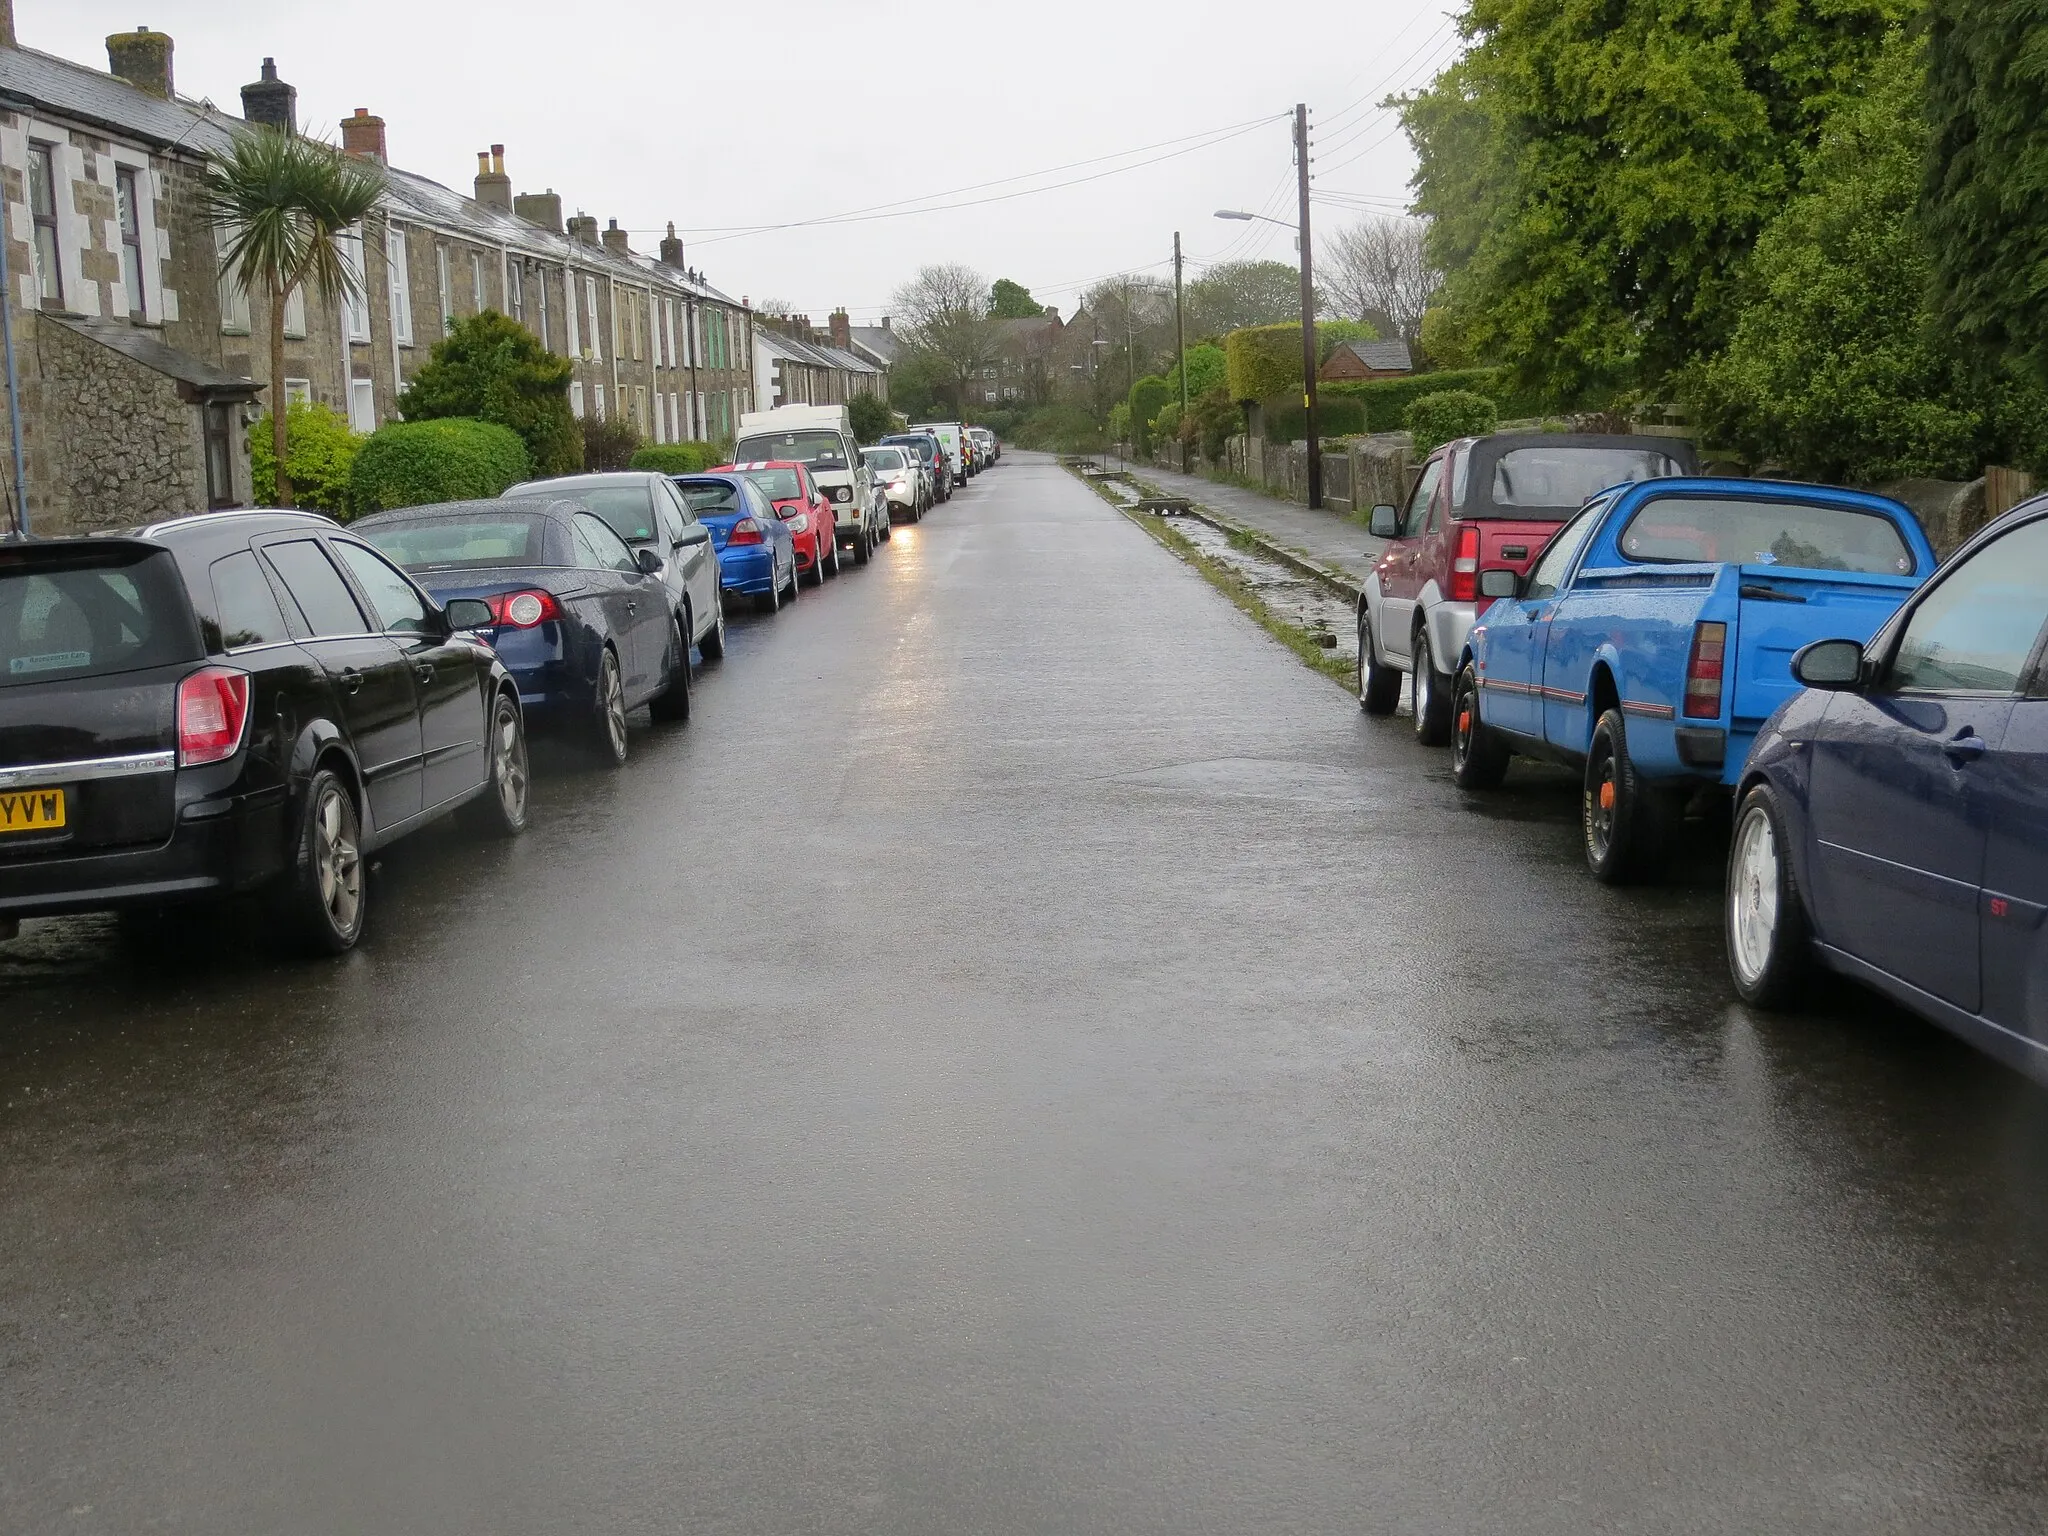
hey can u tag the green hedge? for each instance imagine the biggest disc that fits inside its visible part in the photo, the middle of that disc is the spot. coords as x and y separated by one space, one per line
1262 361
678 458
1447 414
1334 418
416 463
320 449
1386 401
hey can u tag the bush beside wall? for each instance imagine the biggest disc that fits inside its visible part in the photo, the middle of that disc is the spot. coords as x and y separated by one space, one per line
678 458
320 449
416 463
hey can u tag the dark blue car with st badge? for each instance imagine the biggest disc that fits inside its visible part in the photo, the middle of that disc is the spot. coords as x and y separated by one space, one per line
1892 820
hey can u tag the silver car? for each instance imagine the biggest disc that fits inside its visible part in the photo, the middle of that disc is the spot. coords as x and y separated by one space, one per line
902 480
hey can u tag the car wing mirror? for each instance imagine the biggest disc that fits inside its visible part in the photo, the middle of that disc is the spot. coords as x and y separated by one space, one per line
1832 664
650 563
1386 522
466 613
1499 582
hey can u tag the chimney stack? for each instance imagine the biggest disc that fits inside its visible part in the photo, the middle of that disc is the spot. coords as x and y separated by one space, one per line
542 208
7 25
363 135
270 101
493 186
615 240
143 59
671 247
583 227
842 330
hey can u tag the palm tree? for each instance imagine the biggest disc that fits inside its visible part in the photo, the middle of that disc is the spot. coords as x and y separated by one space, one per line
287 198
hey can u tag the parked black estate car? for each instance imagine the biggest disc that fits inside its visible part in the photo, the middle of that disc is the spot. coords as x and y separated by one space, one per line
232 701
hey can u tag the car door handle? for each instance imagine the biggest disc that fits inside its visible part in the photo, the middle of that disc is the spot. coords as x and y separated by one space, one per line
424 671
351 680
1965 747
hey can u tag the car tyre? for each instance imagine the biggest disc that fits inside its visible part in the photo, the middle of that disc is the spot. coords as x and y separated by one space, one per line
501 810
605 734
771 600
1770 948
1432 697
673 702
861 551
818 563
1479 754
326 892
1379 685
713 643
1626 823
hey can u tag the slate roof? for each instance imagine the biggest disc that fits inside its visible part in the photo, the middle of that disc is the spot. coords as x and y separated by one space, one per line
150 350
880 340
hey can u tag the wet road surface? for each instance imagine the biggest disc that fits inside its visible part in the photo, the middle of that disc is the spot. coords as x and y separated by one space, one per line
1029 1057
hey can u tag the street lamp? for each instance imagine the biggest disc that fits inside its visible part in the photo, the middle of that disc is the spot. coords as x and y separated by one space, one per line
1308 300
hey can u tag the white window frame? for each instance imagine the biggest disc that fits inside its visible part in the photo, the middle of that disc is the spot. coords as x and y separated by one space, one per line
362 405
298 391
660 418
476 281
675 421
576 398
441 276
234 298
570 312
593 350
401 285
72 229
540 286
597 400
355 308
515 289
295 313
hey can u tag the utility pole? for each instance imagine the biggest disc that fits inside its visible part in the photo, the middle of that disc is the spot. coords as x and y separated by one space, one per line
1308 310
20 529
1180 348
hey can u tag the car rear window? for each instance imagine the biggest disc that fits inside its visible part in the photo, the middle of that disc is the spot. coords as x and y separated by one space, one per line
1689 529
245 608
628 508
776 484
1543 475
890 459
820 449
715 497
488 539
92 617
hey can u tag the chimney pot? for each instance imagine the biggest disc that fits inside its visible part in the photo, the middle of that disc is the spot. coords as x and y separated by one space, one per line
583 227
542 208
143 59
615 239
671 247
363 135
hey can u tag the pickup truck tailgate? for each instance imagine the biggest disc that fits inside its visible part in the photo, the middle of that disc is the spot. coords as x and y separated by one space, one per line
1780 610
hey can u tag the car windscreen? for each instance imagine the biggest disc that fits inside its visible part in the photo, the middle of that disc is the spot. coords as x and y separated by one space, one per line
487 539
1804 535
923 447
91 616
822 449
1564 475
886 459
628 508
777 484
711 498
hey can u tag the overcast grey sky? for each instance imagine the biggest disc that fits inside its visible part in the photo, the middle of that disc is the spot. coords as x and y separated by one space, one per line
737 116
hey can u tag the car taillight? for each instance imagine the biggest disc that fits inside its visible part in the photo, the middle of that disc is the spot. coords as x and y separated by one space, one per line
523 610
1465 567
1703 671
745 531
213 711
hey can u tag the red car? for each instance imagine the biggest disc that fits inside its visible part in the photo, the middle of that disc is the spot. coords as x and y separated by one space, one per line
800 504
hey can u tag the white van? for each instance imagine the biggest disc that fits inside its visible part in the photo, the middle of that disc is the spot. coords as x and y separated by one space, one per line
820 437
949 439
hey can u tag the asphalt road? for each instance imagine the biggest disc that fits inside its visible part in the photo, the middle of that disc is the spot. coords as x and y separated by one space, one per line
1029 1057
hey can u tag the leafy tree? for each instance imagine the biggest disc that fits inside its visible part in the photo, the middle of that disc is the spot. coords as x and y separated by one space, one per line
288 199
1206 370
1145 400
1119 423
1987 225
494 369
943 313
1436 419
1235 294
1596 175
320 448
1012 301
921 385
872 418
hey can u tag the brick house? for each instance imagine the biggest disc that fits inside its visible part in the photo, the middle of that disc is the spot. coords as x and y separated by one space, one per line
1367 360
141 366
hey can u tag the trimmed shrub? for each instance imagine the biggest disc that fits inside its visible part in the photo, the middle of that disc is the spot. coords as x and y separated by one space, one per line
320 447
1263 361
677 458
416 463
1335 417
1147 398
1436 419
1386 401
1206 370
495 369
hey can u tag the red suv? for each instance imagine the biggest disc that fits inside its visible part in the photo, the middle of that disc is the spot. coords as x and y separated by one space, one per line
1479 501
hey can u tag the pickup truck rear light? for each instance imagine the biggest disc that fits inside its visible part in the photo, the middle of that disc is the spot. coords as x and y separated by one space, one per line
523 610
1465 567
1703 671
745 531
213 711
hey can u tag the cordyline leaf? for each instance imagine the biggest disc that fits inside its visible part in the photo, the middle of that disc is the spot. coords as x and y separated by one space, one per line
285 198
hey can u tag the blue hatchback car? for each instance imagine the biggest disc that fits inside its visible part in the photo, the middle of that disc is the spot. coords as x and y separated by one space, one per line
1893 819
756 551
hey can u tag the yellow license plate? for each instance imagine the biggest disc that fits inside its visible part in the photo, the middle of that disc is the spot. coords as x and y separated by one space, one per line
31 810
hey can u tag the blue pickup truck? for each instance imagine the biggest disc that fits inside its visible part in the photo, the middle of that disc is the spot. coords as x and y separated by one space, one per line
1653 636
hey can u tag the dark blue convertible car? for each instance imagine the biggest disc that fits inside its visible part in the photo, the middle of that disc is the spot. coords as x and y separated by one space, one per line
1893 817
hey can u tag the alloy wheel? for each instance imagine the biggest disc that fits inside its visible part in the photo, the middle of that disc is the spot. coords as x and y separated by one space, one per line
508 764
614 704
1753 895
338 859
